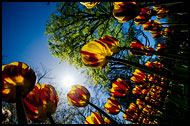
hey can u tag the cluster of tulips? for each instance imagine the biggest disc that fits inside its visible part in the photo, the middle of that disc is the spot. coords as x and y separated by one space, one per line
141 112
19 86
79 96
126 11
94 54
40 101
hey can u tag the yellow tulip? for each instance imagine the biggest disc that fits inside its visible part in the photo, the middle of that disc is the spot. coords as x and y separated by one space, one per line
111 42
112 106
43 99
94 118
94 54
16 74
89 5
125 11
78 96
119 88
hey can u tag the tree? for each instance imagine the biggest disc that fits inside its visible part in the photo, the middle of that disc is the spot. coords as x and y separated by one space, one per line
73 25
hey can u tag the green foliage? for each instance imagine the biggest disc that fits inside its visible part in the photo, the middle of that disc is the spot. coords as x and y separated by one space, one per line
73 25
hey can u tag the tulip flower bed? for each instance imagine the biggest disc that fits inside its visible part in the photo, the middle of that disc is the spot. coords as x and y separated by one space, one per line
151 85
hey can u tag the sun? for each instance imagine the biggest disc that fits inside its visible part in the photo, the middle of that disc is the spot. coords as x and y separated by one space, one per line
68 80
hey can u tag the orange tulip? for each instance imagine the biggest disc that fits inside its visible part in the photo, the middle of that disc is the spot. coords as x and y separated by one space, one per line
125 11
143 17
40 102
138 76
119 88
94 54
89 5
94 118
16 74
78 96
112 106
111 42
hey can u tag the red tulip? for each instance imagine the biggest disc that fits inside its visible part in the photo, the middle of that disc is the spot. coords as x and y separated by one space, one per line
112 106
40 102
94 54
168 31
148 25
161 46
125 11
78 96
111 42
137 90
119 88
161 12
154 64
155 28
16 74
140 46
140 104
138 76
143 17
89 5
94 118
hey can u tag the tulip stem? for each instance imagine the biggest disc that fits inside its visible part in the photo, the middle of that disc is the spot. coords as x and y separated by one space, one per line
50 118
166 55
166 74
105 114
20 107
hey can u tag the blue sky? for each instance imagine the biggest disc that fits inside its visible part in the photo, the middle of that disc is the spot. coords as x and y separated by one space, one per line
23 27
23 39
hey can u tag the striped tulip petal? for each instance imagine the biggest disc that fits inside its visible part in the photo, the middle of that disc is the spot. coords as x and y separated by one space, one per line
125 11
112 43
16 74
168 31
137 90
149 25
143 17
161 46
89 5
43 99
119 88
140 46
112 106
94 118
94 54
138 76
78 96
154 64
